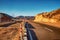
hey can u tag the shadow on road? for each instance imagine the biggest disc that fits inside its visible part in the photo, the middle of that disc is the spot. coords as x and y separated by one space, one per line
29 25
33 35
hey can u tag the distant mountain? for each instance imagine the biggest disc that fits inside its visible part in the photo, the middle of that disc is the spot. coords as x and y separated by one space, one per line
53 16
3 14
19 17
5 17
30 17
26 17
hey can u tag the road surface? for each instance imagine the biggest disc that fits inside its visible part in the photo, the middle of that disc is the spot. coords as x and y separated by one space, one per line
42 31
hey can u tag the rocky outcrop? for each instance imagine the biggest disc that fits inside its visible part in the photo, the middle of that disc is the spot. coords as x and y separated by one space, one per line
52 17
5 17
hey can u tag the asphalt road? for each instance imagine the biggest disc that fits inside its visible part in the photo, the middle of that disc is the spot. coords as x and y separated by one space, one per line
42 31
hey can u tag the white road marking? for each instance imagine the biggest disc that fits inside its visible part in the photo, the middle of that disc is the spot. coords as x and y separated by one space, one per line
48 29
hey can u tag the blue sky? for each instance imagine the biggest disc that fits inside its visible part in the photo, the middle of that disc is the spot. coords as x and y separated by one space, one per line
28 7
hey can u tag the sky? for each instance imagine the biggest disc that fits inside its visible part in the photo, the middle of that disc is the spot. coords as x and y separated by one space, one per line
28 7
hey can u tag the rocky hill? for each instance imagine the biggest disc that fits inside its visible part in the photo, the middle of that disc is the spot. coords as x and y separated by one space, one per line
26 17
52 17
5 17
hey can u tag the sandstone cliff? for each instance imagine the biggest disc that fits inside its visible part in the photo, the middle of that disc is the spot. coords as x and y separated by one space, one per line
52 17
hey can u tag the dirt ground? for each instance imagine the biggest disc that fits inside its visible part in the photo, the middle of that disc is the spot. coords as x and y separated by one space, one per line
10 32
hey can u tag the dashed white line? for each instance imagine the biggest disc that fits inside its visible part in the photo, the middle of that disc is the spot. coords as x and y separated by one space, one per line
48 29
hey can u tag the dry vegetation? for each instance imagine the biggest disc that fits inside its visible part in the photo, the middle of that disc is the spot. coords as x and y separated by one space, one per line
10 33
3 23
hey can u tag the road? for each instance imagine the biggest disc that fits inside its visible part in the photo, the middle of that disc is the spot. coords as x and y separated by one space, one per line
42 31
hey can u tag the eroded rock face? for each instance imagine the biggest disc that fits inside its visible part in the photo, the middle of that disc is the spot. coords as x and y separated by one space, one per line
52 17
